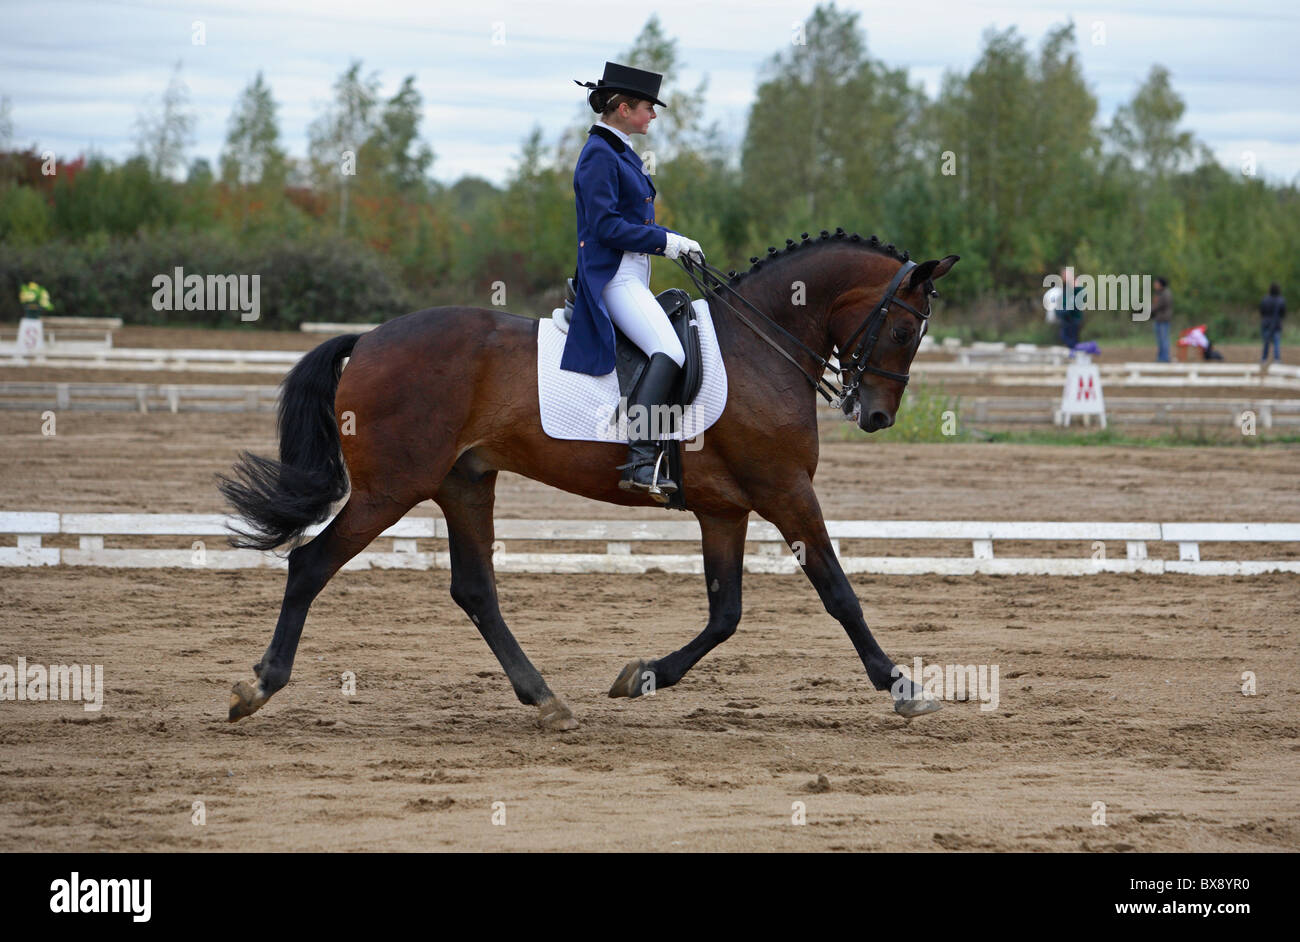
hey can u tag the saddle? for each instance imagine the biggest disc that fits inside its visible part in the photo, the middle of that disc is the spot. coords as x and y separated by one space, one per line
630 360
630 363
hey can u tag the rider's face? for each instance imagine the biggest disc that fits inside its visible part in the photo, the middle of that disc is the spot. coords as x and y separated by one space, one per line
638 121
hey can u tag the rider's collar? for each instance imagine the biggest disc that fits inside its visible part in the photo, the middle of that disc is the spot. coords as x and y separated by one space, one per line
625 138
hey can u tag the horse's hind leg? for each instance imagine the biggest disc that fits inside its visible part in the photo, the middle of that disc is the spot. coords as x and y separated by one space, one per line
311 566
466 499
723 545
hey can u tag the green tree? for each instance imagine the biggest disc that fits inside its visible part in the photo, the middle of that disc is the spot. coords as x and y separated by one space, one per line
791 158
400 159
1145 131
7 162
1058 176
337 136
985 116
252 161
252 154
539 218
831 130
678 127
200 172
24 216
164 133
6 123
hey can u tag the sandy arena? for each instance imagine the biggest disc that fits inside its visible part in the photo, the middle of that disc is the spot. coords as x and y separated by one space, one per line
1117 689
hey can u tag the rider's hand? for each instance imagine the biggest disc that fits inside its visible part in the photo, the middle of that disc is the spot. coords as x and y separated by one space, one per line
680 245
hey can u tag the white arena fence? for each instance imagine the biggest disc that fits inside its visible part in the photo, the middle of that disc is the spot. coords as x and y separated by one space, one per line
1161 375
156 359
974 365
139 397
69 333
204 547
217 397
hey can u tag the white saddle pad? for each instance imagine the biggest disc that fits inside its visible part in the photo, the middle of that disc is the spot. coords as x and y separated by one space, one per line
579 407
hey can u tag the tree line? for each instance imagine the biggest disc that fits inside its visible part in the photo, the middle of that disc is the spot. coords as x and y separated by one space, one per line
1007 165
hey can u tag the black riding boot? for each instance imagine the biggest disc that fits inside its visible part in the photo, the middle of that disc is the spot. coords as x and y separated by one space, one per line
656 384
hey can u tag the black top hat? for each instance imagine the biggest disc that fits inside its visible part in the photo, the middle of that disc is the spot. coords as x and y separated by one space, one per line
624 78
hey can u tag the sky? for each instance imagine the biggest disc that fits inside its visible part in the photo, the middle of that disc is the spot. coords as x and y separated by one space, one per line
78 72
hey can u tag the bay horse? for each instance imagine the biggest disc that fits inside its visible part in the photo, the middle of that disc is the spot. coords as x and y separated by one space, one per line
439 401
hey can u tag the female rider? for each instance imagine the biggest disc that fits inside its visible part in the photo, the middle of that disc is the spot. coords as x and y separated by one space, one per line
617 236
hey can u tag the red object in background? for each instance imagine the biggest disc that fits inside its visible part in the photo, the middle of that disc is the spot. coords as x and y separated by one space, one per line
29 164
1192 338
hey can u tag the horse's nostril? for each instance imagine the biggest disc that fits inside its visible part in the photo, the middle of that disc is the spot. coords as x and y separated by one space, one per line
878 420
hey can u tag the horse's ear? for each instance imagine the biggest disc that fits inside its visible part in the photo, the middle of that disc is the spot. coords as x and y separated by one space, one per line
932 270
921 273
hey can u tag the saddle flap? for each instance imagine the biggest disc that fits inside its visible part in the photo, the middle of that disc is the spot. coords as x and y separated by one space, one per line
630 360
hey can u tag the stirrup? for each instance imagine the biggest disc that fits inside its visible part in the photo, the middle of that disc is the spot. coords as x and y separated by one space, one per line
658 493
655 490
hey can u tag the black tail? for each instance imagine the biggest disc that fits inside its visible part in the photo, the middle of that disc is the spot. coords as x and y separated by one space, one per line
282 498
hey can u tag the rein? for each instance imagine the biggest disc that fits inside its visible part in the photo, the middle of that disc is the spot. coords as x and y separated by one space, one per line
857 364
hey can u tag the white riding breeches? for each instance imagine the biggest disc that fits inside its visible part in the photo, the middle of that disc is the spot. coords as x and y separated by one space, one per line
633 309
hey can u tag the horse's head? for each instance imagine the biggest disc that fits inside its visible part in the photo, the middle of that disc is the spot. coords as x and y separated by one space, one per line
876 326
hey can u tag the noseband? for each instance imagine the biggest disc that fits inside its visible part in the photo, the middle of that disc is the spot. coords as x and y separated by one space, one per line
856 366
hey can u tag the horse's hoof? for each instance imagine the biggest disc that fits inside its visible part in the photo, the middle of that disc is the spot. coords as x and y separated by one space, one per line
554 715
628 683
245 700
909 709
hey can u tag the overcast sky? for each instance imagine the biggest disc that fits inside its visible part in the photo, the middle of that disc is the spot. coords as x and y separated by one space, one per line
77 72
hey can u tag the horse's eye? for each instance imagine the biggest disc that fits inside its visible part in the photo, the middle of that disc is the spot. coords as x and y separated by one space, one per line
900 335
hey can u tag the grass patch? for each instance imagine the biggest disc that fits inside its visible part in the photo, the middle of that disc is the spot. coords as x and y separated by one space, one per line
926 414
1177 437
929 415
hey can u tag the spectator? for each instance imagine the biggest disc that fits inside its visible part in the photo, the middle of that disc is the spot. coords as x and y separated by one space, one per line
1196 337
1052 303
1162 312
1071 313
1271 311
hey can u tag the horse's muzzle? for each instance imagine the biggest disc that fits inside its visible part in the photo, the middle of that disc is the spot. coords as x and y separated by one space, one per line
877 419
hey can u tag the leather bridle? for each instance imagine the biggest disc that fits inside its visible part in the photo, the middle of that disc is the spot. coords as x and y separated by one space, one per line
857 363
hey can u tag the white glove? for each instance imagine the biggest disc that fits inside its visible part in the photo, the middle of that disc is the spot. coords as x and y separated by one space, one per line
680 245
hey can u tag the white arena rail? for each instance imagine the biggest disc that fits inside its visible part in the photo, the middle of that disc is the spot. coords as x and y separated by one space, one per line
150 358
987 363
229 397
1173 375
309 327
139 397
76 334
203 545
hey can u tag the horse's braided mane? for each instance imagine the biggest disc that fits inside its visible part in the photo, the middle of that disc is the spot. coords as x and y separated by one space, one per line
838 237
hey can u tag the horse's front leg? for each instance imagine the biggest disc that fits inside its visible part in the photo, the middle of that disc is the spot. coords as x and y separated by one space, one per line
723 545
797 514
